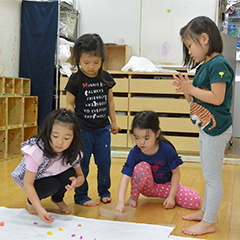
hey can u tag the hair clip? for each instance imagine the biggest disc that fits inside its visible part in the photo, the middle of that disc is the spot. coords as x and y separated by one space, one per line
64 112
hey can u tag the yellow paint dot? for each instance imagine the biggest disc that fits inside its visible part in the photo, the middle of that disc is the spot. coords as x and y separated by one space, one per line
60 229
49 233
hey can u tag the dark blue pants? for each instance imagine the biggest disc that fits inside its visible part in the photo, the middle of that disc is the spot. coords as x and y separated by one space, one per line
96 142
54 186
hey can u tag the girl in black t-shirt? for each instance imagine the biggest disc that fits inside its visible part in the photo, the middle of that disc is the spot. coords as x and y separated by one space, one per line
90 96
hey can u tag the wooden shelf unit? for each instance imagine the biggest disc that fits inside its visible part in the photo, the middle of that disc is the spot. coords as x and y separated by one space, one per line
137 91
117 56
18 111
10 85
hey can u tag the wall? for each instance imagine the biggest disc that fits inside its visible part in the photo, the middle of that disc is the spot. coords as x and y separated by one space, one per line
114 20
151 27
10 37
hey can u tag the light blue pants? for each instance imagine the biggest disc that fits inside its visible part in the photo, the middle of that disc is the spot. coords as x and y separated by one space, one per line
212 150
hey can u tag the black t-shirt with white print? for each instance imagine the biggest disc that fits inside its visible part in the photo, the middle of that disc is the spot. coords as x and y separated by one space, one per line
91 103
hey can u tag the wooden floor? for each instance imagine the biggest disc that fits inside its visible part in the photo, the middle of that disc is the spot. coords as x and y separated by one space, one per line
149 210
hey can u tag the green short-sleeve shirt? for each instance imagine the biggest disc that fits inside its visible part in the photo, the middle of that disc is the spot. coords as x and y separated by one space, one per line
213 119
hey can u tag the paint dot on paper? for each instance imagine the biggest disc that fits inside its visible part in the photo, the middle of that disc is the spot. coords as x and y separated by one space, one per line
60 229
169 10
35 223
73 235
79 225
1 224
49 233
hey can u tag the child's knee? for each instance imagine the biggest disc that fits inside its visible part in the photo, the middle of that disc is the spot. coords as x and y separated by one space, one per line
189 198
142 167
196 202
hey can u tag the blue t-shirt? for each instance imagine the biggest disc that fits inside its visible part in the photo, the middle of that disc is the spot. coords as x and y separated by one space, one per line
162 162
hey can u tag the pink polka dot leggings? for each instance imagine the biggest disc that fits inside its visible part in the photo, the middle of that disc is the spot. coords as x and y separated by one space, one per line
142 182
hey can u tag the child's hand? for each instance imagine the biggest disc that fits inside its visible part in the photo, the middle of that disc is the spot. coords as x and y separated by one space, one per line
45 217
119 208
73 184
183 84
114 128
169 203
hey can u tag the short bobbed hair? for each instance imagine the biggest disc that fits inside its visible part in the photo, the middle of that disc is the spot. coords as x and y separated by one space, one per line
193 30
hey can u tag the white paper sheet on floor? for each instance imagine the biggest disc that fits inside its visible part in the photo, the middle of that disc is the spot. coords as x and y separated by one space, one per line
19 224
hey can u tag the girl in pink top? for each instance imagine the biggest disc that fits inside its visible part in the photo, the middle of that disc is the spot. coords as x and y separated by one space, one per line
51 163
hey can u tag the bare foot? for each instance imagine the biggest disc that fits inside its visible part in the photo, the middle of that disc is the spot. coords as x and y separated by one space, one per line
31 209
131 203
200 229
106 200
91 203
197 216
63 207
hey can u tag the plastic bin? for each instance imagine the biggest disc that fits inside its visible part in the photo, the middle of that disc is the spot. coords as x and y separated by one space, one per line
71 21
108 211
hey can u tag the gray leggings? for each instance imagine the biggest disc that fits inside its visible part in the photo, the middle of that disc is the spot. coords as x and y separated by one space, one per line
212 150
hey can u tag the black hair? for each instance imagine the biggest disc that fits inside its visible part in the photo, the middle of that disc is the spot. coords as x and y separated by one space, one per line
193 30
90 44
64 118
149 120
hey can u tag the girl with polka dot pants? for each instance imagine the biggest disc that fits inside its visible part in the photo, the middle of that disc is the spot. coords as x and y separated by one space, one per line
153 167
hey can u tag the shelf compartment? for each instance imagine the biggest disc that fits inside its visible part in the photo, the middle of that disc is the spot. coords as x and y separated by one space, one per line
15 110
157 86
122 121
29 131
119 140
9 85
14 140
63 83
117 56
63 97
182 144
30 109
3 118
171 124
18 86
26 86
2 85
3 145
121 103
121 85
164 105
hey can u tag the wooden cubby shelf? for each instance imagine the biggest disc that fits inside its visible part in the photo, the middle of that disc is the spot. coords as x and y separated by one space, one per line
10 85
18 121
